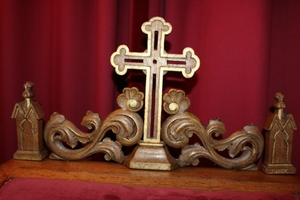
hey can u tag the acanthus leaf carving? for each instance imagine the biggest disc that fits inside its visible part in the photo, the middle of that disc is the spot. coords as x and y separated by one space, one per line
125 123
244 147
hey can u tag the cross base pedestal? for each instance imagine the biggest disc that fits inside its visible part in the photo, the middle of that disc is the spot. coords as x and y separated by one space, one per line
151 156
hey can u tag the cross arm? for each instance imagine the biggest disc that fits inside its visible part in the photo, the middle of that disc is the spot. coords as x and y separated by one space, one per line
187 62
123 59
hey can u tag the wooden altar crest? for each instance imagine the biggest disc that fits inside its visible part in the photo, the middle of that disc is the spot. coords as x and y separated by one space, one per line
150 135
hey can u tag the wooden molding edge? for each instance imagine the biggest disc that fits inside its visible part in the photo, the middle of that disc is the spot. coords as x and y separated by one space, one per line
195 178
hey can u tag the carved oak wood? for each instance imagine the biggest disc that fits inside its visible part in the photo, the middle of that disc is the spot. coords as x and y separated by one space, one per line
181 125
279 128
244 146
155 61
125 123
29 122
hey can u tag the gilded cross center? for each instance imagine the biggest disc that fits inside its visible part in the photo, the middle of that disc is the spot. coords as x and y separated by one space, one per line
155 61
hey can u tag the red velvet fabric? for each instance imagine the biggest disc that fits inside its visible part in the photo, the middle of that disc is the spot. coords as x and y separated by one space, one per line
249 50
31 188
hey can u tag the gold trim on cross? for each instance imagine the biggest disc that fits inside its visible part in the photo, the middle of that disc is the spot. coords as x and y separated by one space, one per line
155 61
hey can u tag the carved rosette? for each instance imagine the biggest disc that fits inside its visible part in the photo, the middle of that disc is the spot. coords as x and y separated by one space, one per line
63 137
244 147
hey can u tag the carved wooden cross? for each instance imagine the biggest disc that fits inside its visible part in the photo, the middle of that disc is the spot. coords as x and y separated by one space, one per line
155 61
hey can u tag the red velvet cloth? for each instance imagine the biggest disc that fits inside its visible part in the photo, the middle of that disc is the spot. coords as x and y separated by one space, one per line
32 188
249 50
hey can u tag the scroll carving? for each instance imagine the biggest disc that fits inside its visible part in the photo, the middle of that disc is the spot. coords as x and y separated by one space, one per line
62 136
150 135
244 146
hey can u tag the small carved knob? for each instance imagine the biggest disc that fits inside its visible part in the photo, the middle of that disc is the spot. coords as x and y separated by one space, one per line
28 92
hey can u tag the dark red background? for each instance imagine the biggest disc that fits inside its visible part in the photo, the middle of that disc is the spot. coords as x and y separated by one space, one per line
249 50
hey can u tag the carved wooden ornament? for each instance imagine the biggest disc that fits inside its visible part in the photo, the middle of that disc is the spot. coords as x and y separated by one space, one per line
29 122
155 61
152 138
279 128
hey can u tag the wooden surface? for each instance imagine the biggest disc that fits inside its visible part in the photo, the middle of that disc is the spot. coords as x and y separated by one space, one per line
195 178
3 177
